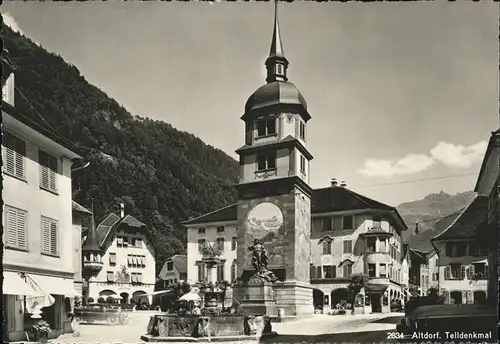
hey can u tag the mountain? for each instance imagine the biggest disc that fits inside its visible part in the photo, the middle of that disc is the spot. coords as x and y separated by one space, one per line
163 175
427 212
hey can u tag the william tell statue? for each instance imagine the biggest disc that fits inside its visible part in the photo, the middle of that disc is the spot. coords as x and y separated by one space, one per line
259 262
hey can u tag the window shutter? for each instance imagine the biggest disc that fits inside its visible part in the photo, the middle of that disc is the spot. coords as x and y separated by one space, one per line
11 224
471 272
139 278
45 236
462 271
447 272
53 238
20 154
486 270
44 177
22 229
52 180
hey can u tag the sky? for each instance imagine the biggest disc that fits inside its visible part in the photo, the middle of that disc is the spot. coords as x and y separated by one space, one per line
399 93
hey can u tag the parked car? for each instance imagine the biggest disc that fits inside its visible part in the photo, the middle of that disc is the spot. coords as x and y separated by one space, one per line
466 318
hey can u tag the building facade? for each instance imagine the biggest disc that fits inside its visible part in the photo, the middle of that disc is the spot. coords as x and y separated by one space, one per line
126 255
38 260
174 270
433 267
463 266
488 185
419 272
79 215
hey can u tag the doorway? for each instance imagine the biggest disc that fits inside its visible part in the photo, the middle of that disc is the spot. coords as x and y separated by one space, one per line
124 298
376 302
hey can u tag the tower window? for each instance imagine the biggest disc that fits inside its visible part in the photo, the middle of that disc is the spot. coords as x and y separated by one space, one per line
266 127
302 130
266 161
302 164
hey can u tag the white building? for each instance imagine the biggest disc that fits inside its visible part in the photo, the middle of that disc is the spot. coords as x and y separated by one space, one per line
463 266
38 258
174 270
127 256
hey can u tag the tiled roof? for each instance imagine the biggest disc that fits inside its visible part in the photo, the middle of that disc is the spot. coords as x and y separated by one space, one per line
323 200
466 223
78 208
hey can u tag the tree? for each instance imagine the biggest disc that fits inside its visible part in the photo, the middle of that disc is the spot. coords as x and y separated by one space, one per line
101 300
181 288
356 283
110 299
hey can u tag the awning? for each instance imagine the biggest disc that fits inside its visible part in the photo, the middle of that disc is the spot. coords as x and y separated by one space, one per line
13 284
55 285
159 292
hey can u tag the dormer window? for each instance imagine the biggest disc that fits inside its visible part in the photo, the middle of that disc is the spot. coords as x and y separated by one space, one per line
302 130
266 127
266 161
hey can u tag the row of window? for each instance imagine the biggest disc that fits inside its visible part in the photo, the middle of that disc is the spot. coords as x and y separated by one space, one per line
15 162
268 127
461 249
125 241
472 272
220 243
339 222
327 246
203 230
267 161
135 277
384 271
330 271
203 272
16 231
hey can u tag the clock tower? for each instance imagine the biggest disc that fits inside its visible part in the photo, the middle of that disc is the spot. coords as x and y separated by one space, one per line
274 196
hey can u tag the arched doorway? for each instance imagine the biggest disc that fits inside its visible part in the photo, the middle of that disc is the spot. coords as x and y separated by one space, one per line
479 296
124 298
139 296
456 297
318 299
339 297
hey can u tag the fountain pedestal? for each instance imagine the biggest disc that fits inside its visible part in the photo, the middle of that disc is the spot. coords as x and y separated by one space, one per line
256 297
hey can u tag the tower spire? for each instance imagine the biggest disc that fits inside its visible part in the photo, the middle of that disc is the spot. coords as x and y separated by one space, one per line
276 63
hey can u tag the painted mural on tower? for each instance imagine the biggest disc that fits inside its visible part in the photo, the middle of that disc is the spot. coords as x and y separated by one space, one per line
265 223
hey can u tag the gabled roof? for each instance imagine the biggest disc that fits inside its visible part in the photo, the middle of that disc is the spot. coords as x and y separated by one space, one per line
324 200
80 209
108 227
180 264
492 144
465 225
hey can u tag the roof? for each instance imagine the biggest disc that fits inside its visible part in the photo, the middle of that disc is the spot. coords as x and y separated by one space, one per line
275 93
287 141
180 264
492 143
324 200
465 224
80 209
91 243
108 227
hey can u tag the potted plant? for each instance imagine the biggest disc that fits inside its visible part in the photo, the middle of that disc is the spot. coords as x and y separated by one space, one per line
40 330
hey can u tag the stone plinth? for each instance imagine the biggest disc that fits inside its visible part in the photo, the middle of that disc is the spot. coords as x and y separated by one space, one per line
294 300
256 298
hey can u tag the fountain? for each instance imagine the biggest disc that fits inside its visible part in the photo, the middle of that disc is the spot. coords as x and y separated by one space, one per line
213 321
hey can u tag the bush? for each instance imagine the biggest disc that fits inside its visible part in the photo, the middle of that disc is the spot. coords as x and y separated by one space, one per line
90 300
101 300
110 299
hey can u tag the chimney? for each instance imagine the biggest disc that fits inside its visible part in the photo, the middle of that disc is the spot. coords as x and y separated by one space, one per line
343 184
334 182
122 210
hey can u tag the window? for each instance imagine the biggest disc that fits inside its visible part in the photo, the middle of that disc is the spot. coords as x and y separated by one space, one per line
112 259
302 130
136 277
370 243
15 151
329 271
201 230
220 229
110 276
119 241
347 246
317 224
371 270
201 243
434 277
48 171
220 243
125 241
327 224
337 222
220 272
170 266
347 222
377 221
382 271
16 228
478 271
382 246
233 272
266 161
302 164
347 270
234 244
454 271
201 272
461 249
49 236
327 246
266 127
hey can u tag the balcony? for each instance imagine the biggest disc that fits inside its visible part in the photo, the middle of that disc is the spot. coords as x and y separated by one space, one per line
373 257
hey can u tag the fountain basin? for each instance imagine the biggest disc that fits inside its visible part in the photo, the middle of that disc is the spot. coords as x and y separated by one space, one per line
201 328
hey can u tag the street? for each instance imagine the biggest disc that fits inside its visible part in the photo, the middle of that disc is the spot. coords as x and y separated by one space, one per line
327 328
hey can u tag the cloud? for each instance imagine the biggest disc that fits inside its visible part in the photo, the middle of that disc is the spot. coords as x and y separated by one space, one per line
9 20
448 154
459 156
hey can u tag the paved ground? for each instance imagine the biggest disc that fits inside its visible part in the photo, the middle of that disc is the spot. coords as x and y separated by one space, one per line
320 328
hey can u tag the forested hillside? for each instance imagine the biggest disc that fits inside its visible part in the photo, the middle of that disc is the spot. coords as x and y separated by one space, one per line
163 175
